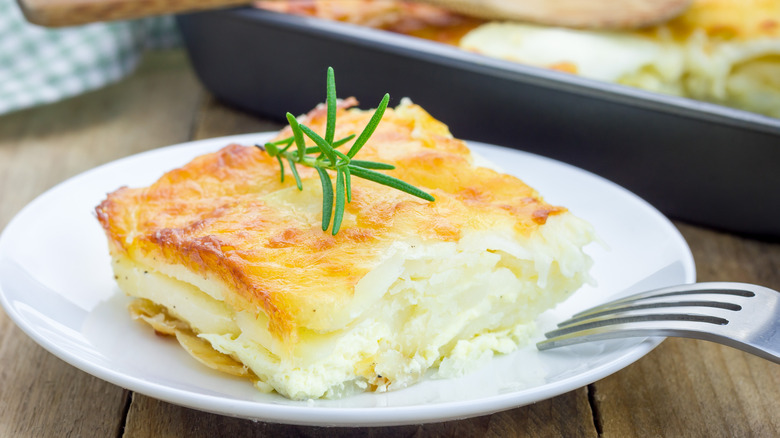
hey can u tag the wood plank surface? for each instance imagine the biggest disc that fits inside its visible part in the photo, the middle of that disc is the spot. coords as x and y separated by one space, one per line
694 388
682 388
566 416
40 395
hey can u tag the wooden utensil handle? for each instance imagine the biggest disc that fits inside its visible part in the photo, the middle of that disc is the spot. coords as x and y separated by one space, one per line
605 14
57 13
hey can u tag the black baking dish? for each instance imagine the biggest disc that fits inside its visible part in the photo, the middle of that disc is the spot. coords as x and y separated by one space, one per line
694 161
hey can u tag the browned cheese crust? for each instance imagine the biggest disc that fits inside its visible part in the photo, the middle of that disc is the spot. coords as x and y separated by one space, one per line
228 217
740 20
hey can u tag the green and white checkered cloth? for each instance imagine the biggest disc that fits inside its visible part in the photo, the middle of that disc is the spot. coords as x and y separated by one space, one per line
39 65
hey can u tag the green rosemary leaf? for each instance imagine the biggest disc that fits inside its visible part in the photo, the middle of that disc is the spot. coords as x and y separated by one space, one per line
327 197
324 157
294 171
271 149
282 141
297 135
344 140
338 213
325 147
330 127
344 159
281 166
370 127
347 182
284 149
372 165
389 181
312 149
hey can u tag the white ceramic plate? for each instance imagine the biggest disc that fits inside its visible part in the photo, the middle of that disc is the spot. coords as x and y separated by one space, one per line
57 285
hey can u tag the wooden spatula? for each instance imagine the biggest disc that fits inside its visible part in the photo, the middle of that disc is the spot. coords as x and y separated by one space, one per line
603 14
610 14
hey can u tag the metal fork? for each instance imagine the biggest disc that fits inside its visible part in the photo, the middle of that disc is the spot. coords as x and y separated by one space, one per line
739 315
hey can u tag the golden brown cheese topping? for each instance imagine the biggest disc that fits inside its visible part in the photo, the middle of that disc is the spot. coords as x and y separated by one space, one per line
728 20
227 216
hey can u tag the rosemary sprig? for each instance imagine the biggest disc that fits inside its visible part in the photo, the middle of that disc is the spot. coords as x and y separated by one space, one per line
328 158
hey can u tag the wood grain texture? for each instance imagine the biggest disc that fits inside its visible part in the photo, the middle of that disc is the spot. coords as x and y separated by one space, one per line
697 388
41 395
691 388
217 120
568 415
605 14
57 13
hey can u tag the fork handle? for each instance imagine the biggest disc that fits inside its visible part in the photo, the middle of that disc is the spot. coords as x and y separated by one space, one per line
740 315
661 329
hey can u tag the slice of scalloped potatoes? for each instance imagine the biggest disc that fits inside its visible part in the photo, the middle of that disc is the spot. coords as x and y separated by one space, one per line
723 51
223 250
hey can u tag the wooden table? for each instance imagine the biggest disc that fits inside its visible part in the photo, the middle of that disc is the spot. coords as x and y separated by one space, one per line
682 388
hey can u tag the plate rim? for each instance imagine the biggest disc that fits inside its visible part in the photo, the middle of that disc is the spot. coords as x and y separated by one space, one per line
334 416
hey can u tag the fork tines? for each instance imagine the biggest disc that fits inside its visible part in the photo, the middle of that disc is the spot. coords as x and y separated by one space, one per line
740 315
